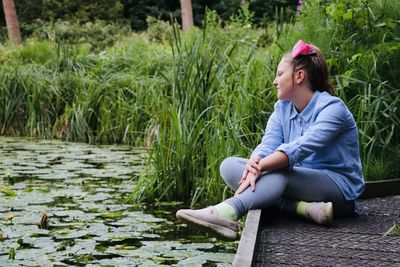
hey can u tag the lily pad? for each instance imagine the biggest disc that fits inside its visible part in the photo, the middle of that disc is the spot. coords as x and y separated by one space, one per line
8 192
39 189
112 215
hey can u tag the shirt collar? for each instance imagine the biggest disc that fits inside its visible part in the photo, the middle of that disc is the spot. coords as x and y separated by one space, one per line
307 112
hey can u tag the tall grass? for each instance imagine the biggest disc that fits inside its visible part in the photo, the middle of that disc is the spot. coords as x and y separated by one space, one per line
60 90
213 108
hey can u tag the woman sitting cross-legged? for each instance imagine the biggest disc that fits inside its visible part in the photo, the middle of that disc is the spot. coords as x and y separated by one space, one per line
308 161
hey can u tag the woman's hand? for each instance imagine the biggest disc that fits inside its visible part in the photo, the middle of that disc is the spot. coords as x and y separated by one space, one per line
253 167
250 180
252 171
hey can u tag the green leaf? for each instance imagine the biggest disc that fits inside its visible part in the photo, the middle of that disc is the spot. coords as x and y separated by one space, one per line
8 192
110 215
348 15
42 190
382 24
34 235
64 233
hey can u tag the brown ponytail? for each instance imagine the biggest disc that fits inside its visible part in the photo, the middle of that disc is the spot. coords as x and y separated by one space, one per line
317 70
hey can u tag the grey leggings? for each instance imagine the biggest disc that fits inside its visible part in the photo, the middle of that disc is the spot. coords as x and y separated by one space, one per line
283 188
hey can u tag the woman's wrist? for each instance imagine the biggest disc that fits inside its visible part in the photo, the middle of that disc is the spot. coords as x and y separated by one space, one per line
274 161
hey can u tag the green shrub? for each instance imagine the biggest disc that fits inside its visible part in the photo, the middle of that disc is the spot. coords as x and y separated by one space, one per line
98 34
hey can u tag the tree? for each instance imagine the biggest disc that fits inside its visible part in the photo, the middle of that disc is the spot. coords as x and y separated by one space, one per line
10 15
187 14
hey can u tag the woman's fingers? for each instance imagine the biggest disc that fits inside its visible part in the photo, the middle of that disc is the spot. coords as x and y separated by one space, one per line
255 169
253 164
253 183
244 175
245 172
252 167
245 184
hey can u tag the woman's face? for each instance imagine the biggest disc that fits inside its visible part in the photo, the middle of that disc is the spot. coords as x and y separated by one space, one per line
284 80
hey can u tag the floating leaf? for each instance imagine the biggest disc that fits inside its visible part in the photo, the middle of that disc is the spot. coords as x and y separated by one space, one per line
8 192
34 235
112 215
42 190
125 247
64 233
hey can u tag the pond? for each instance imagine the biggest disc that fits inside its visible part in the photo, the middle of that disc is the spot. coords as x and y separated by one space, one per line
82 189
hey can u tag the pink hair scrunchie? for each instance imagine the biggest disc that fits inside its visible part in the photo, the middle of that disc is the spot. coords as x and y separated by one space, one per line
301 48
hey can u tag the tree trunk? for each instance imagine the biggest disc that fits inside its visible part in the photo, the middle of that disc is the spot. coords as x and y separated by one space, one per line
187 15
10 14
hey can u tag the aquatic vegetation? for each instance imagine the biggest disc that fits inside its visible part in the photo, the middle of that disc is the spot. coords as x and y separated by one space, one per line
52 224
8 192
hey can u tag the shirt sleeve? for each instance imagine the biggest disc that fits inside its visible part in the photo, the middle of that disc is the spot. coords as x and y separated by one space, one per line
329 123
272 138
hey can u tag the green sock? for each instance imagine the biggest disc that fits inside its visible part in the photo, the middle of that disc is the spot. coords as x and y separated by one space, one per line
302 209
226 211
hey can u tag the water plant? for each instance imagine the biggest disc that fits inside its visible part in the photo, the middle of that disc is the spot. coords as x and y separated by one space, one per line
98 229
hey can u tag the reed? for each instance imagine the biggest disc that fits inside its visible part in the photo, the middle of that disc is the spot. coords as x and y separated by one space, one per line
216 107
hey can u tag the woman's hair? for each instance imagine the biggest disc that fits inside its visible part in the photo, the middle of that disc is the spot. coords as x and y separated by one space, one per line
316 67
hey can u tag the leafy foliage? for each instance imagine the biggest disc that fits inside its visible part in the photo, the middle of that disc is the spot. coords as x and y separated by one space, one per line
135 13
98 34
52 10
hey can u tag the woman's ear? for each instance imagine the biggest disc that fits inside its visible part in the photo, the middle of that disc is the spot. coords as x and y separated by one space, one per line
300 76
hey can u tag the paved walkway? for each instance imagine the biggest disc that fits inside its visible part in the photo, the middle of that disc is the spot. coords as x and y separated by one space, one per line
284 241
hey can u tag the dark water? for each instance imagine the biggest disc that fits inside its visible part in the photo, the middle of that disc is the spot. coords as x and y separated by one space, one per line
82 189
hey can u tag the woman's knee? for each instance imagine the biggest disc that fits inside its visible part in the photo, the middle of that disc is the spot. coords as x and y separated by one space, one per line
231 169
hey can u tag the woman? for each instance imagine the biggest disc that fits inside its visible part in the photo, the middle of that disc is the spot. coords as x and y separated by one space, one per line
308 161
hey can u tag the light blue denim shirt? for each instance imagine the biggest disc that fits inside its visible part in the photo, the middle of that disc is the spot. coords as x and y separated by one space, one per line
323 136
